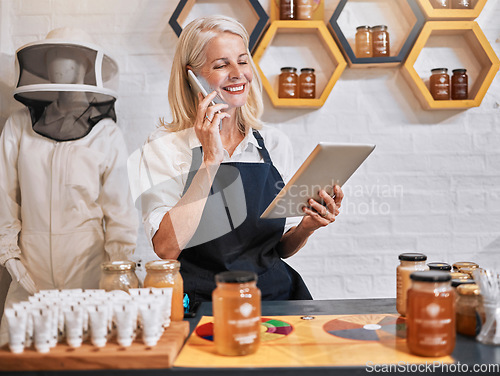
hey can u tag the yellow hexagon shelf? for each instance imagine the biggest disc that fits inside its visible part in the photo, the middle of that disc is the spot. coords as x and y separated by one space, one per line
291 36
433 13
461 35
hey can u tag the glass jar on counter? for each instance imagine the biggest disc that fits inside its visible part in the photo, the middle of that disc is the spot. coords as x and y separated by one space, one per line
288 9
469 301
304 9
439 84
440 4
430 316
288 83
457 266
307 83
381 41
461 4
364 41
165 273
409 263
236 308
118 275
459 84
439 266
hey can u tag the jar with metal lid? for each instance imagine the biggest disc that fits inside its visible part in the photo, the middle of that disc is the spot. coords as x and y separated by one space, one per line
461 4
288 83
409 263
469 300
307 83
381 41
165 273
459 84
443 266
441 4
459 276
457 266
236 308
304 9
457 282
288 9
430 316
364 41
439 84
118 275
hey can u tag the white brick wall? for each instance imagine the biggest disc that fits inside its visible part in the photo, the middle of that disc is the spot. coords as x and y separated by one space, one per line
431 186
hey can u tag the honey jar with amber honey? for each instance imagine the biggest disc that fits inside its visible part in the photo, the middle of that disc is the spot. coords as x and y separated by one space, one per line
236 308
364 41
165 273
288 83
430 314
469 301
409 263
439 84
307 83
381 41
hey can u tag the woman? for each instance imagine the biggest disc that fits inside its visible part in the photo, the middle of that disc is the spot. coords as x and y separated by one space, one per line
223 168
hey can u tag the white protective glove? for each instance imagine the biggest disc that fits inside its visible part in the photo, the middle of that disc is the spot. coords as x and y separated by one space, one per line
19 274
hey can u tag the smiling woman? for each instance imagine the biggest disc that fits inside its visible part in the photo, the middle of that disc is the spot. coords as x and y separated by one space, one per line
213 170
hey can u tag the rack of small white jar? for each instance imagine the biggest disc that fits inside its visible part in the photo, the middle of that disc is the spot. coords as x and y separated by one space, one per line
75 316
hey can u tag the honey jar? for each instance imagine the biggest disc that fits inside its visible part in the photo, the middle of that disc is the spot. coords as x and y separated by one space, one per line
430 315
364 42
307 83
381 42
288 9
440 4
469 300
236 308
461 4
118 275
288 83
304 9
439 266
409 263
457 266
165 273
440 84
459 84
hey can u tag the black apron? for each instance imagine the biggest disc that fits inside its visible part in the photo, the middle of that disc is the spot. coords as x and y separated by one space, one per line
232 236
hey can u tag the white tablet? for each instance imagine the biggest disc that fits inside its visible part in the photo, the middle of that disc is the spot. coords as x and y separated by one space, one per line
327 165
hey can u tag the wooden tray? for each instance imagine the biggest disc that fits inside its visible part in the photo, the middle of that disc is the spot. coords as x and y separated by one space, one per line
112 356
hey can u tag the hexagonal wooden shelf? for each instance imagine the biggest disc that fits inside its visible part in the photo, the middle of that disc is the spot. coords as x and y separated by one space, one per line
432 13
292 32
469 34
406 13
184 7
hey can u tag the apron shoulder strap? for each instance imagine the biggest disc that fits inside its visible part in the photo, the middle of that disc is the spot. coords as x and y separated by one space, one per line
195 165
263 151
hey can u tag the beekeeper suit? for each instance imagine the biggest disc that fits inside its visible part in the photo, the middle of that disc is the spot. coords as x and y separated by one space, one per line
65 205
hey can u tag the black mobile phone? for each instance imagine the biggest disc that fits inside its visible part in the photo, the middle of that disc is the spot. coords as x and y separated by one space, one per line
192 311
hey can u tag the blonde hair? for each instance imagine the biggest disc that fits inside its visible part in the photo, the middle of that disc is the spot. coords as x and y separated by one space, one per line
190 50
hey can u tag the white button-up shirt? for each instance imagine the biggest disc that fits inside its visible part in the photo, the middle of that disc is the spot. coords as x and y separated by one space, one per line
166 159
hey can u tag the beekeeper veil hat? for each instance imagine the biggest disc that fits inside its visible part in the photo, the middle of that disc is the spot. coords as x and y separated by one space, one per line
67 64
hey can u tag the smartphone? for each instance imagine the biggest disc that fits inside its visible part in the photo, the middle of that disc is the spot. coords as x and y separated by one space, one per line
200 85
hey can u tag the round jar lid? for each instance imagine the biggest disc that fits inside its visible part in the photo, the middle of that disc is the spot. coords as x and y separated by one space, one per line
118 265
468 289
236 277
430 276
464 264
163 265
439 70
379 28
439 266
458 275
461 70
289 69
364 27
412 257
458 282
307 70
